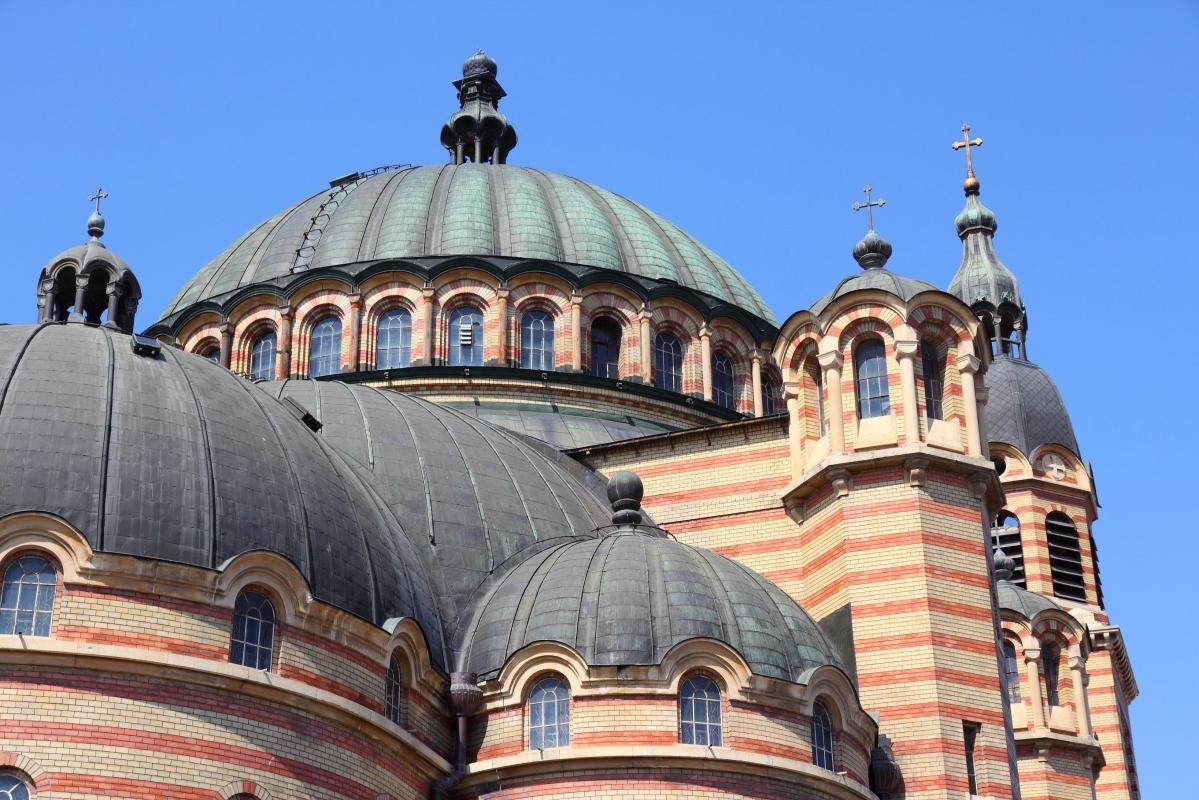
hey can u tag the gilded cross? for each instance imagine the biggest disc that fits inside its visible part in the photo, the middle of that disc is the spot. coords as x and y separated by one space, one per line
869 205
98 196
967 143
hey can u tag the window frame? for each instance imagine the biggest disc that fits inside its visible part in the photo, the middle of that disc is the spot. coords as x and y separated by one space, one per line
611 365
824 737
1007 537
257 353
240 645
696 692
724 387
1011 672
19 787
42 597
324 334
872 384
1065 557
393 692
932 370
544 696
1051 665
393 339
455 355
772 399
970 732
537 340
669 353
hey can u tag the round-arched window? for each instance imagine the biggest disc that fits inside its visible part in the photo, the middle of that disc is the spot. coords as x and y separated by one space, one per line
870 373
605 348
262 357
324 348
13 788
722 380
668 362
466 337
699 712
537 341
27 596
393 701
823 743
253 631
772 401
393 340
549 714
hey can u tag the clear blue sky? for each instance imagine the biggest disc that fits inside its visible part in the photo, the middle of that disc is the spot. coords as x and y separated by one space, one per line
751 126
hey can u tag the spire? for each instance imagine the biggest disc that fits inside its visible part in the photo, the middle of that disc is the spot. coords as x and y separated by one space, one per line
982 281
873 250
477 131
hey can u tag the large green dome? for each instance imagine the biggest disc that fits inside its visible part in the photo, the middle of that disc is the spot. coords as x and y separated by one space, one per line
468 209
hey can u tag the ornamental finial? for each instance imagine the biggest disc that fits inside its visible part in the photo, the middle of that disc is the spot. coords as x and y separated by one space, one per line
869 205
95 222
971 182
873 251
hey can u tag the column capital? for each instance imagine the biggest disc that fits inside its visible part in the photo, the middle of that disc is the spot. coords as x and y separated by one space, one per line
917 471
1032 655
503 292
969 364
704 331
831 359
791 390
906 348
225 328
355 300
427 291
576 298
644 313
757 355
286 311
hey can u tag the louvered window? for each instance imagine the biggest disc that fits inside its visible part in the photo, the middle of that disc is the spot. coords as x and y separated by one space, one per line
1065 557
466 337
1005 535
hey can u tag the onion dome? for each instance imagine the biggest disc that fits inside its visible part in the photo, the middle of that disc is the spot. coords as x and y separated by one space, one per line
872 251
157 453
472 496
1024 407
629 595
479 64
1016 598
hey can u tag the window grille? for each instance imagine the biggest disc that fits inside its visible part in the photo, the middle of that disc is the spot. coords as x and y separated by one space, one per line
27 596
970 735
537 341
1005 535
722 380
253 631
668 363
932 366
699 712
262 357
393 701
393 340
1011 673
324 348
466 337
870 371
1065 557
823 743
605 348
549 714
13 788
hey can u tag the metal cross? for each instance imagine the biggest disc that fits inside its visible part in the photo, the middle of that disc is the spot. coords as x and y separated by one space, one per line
869 205
967 143
98 196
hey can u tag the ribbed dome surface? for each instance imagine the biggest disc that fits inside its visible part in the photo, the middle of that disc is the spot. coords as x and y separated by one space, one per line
472 496
1024 408
887 281
471 209
1027 604
173 457
628 597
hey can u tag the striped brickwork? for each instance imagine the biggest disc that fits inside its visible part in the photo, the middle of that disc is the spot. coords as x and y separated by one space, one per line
1059 774
1117 780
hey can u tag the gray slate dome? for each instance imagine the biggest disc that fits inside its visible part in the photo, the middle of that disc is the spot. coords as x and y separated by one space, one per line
876 278
173 457
1024 408
470 209
1022 601
472 496
628 597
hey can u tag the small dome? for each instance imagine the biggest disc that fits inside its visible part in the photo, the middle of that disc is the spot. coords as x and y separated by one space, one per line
1024 408
628 597
905 288
170 456
1023 602
872 251
975 216
478 64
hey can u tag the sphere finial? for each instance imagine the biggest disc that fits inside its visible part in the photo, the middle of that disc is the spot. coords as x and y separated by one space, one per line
95 223
1005 565
625 491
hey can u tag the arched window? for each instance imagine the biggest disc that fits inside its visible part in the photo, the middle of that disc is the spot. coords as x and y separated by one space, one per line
817 377
13 788
393 700
27 596
324 348
466 337
537 341
823 752
699 712
932 366
393 340
668 362
605 348
253 631
1011 672
549 714
1005 535
772 403
1065 557
212 352
870 374
1051 656
722 380
262 357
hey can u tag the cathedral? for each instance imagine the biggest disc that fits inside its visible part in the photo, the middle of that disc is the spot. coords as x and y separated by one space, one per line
475 480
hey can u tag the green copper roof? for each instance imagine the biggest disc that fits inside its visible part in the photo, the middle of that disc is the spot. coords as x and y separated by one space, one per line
469 209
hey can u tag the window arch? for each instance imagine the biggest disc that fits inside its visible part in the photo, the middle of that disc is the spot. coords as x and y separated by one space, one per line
1051 658
1065 557
393 340
823 746
1011 672
537 340
1005 535
262 357
27 596
668 362
13 787
605 348
393 698
816 376
699 712
324 348
722 381
549 714
932 368
772 402
466 337
253 640
211 351
870 379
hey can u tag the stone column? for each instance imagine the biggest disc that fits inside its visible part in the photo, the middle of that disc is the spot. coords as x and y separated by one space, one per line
1082 708
80 287
426 305
756 377
226 331
576 332
283 354
968 367
1032 669
114 299
830 363
791 391
501 313
354 322
647 346
905 351
705 351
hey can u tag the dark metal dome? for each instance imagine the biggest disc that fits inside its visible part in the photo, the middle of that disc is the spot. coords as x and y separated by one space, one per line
1022 601
628 597
1024 408
876 278
168 455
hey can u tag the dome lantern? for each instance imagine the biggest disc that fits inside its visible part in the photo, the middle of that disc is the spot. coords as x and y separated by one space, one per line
477 131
